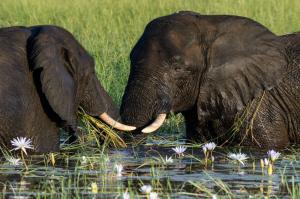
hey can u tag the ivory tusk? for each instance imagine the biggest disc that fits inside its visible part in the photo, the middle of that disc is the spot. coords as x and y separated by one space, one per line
156 124
117 125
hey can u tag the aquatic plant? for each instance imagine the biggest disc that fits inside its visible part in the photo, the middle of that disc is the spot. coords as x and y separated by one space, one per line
207 150
52 158
126 195
179 150
238 157
14 161
94 187
273 155
266 162
146 189
83 160
103 131
168 160
153 195
209 146
119 169
22 143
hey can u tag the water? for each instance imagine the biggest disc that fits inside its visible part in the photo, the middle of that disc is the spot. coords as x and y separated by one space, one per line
187 177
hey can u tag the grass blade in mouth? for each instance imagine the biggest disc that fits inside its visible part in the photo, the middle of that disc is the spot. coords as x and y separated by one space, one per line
105 132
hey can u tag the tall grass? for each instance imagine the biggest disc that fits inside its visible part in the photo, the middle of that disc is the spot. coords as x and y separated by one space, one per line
108 29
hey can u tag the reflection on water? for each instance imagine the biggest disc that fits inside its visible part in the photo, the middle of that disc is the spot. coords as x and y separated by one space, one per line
184 178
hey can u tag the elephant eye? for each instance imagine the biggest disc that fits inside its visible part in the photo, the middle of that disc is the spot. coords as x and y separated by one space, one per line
176 60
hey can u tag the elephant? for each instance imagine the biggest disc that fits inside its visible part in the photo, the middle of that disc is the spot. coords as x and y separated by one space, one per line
45 77
233 80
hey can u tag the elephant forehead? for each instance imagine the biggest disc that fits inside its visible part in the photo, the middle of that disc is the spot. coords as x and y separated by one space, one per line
180 38
181 48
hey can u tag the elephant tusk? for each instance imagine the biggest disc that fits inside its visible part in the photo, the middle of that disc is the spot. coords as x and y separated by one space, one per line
117 125
156 124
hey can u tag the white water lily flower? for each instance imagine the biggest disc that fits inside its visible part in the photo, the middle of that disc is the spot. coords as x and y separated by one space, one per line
240 157
146 189
169 160
119 169
273 155
179 150
126 195
209 146
22 143
14 161
153 195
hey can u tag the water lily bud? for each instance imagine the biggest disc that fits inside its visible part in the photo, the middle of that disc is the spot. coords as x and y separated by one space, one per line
270 169
94 187
204 150
52 159
262 165
266 162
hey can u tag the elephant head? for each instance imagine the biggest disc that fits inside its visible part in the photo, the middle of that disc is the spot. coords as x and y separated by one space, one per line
193 64
65 78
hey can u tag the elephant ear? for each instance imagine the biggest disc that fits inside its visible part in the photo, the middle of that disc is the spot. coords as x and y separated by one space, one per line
51 62
244 60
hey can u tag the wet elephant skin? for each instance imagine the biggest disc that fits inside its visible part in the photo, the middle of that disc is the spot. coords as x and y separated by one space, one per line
234 81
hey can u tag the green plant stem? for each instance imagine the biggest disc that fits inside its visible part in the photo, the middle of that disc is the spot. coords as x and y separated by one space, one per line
23 159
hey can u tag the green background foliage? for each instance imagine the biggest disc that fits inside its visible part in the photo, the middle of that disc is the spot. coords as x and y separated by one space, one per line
108 29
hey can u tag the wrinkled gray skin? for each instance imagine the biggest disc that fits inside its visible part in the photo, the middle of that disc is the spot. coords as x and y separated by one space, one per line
45 75
234 81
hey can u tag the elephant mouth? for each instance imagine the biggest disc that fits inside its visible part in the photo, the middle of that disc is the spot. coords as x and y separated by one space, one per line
156 124
148 115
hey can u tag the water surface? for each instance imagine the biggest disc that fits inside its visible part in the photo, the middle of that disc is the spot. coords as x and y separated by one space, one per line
187 177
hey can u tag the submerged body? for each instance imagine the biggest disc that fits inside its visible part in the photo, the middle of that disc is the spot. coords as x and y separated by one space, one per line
234 81
45 75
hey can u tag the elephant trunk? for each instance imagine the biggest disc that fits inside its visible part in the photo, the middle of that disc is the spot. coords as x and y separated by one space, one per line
144 102
98 103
